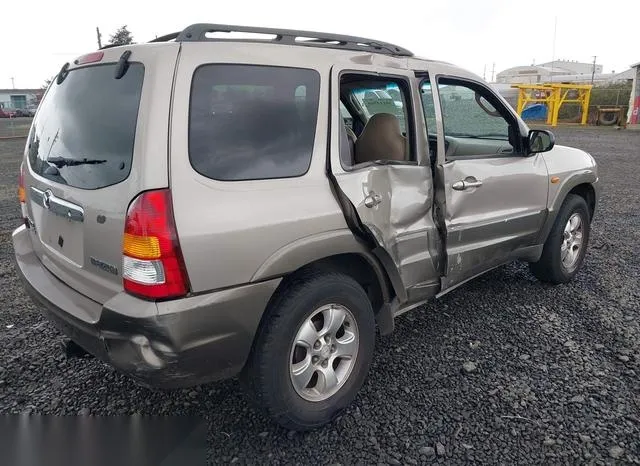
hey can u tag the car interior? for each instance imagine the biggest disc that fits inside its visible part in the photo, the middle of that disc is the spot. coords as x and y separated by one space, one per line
475 122
374 112
374 122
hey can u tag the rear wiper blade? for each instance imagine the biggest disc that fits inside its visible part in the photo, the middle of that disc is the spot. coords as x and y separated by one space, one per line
68 162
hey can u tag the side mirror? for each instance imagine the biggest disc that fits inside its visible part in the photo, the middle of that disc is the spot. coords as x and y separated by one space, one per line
541 140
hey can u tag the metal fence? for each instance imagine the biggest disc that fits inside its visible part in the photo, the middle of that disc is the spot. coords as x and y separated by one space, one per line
601 97
14 127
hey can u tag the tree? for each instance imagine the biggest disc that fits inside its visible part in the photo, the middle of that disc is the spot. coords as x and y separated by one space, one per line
121 37
46 84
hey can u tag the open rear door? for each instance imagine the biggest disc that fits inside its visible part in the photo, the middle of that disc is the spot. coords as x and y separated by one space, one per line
389 199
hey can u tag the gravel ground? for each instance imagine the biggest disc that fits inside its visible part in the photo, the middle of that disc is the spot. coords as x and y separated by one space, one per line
504 370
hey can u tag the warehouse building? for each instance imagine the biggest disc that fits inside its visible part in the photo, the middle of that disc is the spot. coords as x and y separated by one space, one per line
561 71
20 98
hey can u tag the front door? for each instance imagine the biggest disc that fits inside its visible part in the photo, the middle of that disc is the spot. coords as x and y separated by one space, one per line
380 164
495 196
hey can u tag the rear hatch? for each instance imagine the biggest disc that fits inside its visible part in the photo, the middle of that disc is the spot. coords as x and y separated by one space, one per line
98 139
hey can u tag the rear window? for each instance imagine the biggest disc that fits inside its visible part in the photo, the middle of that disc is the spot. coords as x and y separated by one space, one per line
251 122
85 129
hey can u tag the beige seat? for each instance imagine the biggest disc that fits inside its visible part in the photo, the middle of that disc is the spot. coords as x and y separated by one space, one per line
381 139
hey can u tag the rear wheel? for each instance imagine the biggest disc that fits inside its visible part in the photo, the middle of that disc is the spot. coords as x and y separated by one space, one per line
314 350
566 245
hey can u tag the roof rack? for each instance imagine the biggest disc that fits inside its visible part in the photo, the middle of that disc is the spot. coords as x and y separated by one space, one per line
198 33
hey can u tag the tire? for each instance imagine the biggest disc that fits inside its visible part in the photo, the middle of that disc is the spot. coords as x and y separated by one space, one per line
269 373
550 267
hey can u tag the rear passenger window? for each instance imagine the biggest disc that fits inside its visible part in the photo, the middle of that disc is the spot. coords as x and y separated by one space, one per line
252 122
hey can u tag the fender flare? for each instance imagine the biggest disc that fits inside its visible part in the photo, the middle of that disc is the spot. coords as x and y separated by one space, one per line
583 177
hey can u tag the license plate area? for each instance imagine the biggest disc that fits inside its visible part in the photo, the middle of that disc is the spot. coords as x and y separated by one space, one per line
59 225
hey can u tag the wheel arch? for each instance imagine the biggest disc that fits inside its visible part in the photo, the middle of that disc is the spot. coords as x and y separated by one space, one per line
588 193
584 184
363 267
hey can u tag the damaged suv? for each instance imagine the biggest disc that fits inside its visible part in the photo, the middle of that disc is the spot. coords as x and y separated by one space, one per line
203 206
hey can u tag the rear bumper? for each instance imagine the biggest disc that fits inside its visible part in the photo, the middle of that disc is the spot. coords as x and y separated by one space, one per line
169 344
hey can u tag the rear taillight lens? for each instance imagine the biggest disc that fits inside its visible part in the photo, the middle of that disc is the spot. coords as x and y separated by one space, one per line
22 194
153 267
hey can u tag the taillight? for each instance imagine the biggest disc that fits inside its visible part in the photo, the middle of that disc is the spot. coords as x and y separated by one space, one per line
153 266
22 195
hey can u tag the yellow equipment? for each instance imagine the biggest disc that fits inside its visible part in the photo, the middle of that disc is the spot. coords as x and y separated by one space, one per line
554 95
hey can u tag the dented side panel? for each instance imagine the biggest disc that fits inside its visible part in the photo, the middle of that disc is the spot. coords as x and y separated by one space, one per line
401 222
486 225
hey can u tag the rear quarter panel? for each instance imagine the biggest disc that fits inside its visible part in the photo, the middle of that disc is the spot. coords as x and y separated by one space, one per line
233 232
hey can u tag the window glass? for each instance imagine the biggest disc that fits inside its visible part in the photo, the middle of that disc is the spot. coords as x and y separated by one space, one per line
382 98
346 116
428 108
85 129
466 114
252 122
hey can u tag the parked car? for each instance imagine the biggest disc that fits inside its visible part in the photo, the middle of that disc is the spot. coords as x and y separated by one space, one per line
7 112
24 112
219 215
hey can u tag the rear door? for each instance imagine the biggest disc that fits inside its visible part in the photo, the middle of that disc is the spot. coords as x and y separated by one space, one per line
495 196
392 198
98 139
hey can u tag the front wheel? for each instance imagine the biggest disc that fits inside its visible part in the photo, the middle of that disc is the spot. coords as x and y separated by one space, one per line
313 352
566 245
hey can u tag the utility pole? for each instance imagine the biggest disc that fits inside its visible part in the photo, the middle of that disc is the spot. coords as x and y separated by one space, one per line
484 73
99 37
593 69
553 46
493 72
13 84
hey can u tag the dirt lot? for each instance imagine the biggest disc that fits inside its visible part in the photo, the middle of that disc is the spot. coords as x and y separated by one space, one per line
557 378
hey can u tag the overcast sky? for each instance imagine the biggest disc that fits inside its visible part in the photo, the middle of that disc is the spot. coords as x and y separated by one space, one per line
40 36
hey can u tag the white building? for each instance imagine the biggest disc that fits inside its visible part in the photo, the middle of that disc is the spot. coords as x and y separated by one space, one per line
560 71
573 66
20 98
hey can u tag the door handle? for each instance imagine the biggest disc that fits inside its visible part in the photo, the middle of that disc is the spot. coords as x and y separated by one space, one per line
469 182
372 200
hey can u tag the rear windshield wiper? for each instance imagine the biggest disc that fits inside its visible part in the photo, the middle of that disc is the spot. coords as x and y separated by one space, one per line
68 162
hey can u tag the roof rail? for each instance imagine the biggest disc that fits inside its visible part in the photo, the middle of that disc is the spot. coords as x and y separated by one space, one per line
198 33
